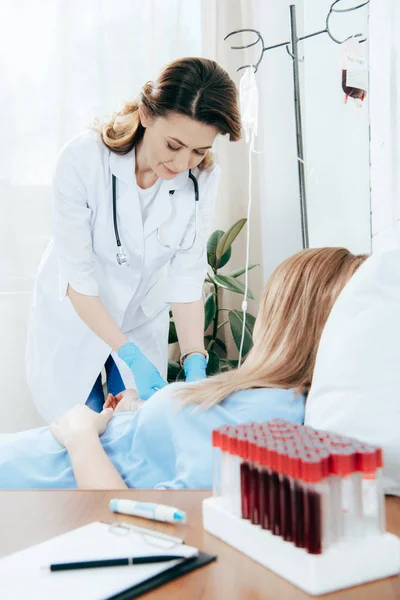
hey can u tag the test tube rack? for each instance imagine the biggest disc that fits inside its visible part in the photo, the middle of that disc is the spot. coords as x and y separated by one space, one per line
344 565
305 503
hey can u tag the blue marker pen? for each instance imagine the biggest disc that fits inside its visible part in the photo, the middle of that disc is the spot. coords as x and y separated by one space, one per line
148 510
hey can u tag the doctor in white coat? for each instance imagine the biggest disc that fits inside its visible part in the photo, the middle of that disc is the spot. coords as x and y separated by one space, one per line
133 200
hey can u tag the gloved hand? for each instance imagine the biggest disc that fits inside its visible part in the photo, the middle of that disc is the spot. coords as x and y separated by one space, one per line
147 378
195 367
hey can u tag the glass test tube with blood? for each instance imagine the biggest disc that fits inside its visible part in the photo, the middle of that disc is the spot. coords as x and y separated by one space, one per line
216 476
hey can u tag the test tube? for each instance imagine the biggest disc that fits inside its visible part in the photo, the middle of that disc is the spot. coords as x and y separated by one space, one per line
343 462
216 476
264 477
243 443
226 431
274 489
234 485
254 479
284 495
297 497
315 502
370 462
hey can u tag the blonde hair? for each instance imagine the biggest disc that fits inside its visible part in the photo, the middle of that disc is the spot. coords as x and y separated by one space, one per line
296 303
195 87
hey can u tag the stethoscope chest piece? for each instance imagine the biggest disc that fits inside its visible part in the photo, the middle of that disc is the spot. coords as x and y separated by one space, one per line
122 257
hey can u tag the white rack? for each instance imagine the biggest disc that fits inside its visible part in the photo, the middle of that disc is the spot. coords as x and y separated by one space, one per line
341 566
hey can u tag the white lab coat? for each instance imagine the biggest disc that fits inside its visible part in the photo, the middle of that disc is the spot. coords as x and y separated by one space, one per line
63 356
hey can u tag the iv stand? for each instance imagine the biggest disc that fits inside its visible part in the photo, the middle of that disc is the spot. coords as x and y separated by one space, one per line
293 53
299 135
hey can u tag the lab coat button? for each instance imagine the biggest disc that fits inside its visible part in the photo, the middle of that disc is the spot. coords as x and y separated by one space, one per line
138 252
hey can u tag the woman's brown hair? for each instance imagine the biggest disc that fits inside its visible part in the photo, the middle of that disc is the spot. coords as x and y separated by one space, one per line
195 87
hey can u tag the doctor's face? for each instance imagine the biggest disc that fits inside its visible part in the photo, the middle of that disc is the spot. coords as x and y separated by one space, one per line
175 143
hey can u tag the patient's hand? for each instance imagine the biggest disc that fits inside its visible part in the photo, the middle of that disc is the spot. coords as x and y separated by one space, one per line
124 401
80 423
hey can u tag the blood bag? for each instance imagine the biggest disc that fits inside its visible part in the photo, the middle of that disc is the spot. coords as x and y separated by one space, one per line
354 70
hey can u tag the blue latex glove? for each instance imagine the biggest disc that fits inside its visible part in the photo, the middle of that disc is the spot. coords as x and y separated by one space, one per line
147 378
195 367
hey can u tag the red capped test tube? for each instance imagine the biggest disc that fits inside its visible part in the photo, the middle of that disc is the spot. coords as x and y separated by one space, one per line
216 474
243 452
274 488
316 494
370 462
297 497
264 477
227 432
346 478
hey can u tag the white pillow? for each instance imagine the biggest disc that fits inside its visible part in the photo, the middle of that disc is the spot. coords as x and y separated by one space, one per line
356 384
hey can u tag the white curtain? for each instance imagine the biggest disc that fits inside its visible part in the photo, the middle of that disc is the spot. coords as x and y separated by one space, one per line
221 17
64 62
385 122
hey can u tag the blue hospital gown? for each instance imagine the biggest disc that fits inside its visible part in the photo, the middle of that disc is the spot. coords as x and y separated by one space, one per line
163 445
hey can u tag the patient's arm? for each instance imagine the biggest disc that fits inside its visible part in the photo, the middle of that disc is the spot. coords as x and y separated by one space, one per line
78 431
92 468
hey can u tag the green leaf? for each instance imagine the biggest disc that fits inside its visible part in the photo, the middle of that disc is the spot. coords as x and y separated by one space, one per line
231 284
173 370
219 343
213 366
212 248
239 272
210 309
181 375
172 335
226 241
236 323
233 363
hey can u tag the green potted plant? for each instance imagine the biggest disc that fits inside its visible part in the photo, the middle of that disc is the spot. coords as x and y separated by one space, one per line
219 249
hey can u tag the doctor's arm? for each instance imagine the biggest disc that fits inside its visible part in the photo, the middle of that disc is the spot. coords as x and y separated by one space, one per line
189 323
186 279
72 222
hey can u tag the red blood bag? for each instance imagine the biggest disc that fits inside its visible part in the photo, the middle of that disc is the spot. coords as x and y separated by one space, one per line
354 70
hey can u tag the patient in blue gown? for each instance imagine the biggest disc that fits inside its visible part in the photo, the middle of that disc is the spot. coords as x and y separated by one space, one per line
167 442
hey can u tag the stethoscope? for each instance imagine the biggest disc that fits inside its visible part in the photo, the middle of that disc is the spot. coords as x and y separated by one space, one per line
122 257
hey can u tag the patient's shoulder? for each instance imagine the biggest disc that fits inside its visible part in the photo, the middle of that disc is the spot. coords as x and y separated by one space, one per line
264 404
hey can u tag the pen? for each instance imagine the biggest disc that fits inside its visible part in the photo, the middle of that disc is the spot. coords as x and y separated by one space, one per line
114 562
148 510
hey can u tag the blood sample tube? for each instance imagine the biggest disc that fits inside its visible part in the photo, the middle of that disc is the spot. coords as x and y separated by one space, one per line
234 480
264 477
254 439
315 503
284 495
274 489
216 479
243 450
343 463
373 501
297 497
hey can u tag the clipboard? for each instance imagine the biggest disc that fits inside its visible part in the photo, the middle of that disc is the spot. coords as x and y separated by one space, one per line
22 574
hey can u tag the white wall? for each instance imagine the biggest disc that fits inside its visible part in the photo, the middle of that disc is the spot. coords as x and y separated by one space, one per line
336 136
385 125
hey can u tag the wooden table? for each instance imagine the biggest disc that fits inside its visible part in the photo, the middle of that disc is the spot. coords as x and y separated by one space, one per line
29 517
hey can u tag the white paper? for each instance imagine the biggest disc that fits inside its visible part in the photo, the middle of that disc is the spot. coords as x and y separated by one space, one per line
22 575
